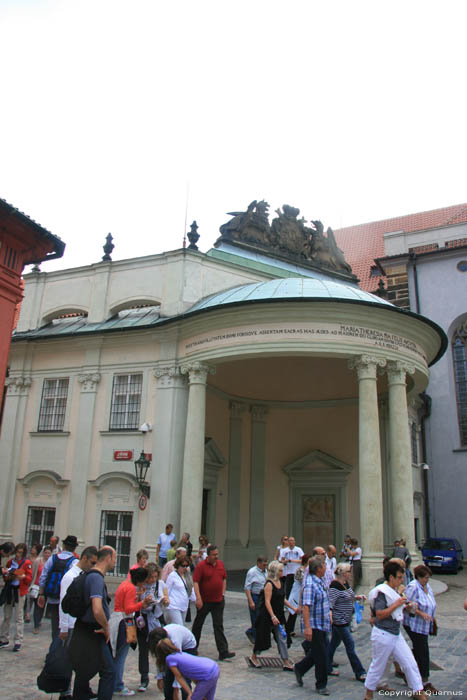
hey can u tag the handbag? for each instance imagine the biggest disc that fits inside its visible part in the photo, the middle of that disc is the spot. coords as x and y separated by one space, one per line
434 629
33 591
130 631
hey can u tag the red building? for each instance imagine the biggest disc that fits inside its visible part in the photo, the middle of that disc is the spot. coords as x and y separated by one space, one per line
22 242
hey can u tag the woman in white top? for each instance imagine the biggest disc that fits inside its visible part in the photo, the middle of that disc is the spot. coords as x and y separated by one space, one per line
284 543
180 589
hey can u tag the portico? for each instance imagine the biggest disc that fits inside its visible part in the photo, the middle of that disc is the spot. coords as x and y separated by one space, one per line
299 390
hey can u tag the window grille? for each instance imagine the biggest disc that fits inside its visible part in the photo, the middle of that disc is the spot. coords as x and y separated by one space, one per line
126 401
53 405
459 344
116 532
39 525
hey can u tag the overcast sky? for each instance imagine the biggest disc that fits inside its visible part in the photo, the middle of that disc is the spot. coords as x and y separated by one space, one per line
112 109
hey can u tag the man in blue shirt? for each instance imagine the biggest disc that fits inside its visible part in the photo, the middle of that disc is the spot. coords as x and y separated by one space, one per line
316 625
89 649
163 544
254 584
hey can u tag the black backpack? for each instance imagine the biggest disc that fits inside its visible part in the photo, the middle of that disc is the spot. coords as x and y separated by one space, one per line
74 602
55 677
54 577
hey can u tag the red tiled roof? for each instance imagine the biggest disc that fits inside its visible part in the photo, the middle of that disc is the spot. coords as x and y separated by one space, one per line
365 242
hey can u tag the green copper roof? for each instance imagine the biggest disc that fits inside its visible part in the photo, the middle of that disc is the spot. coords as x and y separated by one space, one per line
303 288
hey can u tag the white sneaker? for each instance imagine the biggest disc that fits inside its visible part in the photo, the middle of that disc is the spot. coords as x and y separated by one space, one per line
126 692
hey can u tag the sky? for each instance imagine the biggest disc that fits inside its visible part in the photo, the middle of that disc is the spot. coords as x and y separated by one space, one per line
134 116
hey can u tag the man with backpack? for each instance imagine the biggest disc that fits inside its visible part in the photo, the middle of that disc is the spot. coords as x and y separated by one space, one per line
89 649
51 577
87 560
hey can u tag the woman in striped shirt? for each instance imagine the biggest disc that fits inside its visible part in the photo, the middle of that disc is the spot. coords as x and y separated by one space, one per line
341 599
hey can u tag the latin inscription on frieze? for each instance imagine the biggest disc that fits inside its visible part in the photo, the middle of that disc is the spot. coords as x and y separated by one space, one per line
312 332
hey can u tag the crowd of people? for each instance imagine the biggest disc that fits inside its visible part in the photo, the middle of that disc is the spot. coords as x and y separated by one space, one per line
152 607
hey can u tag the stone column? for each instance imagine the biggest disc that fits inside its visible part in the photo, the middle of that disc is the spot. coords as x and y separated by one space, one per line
193 456
10 447
82 457
369 467
233 545
168 437
400 456
257 466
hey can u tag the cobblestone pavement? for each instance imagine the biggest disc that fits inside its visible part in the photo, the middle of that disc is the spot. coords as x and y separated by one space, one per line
238 682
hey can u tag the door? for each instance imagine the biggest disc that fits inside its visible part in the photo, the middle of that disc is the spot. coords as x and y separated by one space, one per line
319 521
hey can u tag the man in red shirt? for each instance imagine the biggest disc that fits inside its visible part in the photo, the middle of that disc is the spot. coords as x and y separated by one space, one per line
209 582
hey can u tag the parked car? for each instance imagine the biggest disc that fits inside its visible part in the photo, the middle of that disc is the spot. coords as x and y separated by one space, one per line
443 553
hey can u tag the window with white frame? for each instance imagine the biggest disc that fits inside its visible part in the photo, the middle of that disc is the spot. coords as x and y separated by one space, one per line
126 401
53 405
459 352
39 525
116 532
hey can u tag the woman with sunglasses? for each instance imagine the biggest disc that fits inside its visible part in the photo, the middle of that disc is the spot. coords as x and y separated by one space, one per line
180 589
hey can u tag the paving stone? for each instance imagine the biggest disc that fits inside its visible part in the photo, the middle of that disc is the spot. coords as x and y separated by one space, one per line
238 682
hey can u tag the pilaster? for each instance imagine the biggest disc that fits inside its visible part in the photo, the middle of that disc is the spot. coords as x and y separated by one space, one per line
89 382
256 540
233 547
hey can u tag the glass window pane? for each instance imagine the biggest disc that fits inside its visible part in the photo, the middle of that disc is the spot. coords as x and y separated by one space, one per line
111 541
112 521
127 519
125 544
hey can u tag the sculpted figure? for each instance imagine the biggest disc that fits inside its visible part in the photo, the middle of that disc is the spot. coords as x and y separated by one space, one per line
250 226
289 234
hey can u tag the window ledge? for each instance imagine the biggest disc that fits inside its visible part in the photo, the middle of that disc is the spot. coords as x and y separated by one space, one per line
49 433
130 431
461 449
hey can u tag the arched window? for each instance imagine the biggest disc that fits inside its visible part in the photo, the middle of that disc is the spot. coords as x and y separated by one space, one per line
414 443
459 351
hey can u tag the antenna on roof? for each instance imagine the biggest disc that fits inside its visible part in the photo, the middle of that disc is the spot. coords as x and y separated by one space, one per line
186 212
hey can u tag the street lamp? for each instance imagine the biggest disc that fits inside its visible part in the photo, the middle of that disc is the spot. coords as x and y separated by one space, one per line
141 469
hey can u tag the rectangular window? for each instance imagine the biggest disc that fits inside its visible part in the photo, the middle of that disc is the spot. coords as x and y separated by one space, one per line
40 525
126 401
53 405
116 532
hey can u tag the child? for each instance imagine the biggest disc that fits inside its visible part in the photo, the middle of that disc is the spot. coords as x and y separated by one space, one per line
203 671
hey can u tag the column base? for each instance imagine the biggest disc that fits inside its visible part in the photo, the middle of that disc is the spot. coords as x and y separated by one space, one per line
372 569
236 556
151 550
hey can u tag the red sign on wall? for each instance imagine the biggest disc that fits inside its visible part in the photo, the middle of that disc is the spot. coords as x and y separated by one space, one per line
123 455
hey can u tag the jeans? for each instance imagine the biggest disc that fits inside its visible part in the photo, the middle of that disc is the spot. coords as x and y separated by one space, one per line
119 667
252 629
206 689
143 653
106 676
217 612
52 611
316 655
342 633
176 617
162 562
37 615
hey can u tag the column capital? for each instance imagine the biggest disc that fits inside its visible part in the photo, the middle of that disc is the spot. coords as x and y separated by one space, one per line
237 408
366 365
197 372
168 376
397 371
19 384
259 413
89 381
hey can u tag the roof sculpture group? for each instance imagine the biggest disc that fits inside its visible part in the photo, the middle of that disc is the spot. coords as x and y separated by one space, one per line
287 235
